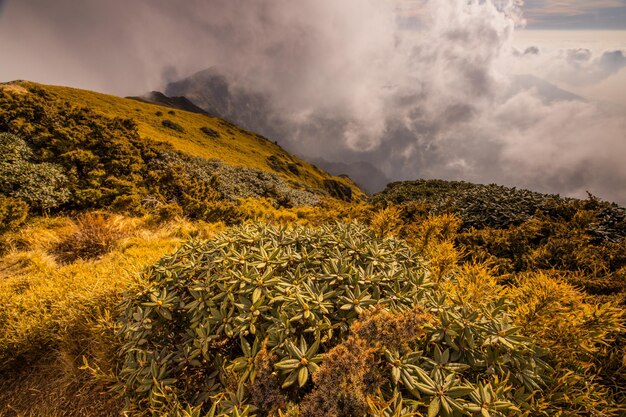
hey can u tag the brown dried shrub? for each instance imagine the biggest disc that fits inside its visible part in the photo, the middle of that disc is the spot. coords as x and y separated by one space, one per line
95 235
355 369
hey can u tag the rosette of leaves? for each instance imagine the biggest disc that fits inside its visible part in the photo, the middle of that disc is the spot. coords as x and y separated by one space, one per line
259 308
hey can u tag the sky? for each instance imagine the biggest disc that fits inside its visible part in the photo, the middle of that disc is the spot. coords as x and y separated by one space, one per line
576 14
505 91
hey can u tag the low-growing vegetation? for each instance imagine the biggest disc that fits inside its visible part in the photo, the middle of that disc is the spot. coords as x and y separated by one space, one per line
173 125
518 230
297 297
210 132
147 277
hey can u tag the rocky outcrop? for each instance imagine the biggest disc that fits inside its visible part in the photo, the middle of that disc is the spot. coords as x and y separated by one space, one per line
338 190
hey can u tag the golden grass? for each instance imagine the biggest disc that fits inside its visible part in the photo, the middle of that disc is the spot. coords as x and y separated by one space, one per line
14 88
235 146
328 211
53 316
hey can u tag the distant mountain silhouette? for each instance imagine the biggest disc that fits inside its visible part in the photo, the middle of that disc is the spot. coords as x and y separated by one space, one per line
215 94
181 103
547 91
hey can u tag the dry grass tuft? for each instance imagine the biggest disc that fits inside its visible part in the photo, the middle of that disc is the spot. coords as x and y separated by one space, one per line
352 371
95 234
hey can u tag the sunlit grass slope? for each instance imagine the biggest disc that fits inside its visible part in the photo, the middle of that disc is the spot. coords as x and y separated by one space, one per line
234 145
57 313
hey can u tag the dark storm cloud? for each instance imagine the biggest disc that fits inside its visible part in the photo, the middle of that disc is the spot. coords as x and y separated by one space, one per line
612 62
532 50
343 81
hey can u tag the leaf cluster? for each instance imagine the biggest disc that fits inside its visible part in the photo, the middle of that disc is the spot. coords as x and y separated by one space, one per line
194 336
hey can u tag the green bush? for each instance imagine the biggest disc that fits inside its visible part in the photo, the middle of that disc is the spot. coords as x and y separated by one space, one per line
210 132
42 185
172 125
242 322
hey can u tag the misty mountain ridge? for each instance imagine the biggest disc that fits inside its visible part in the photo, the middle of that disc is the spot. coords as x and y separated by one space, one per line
216 93
180 103
219 94
548 92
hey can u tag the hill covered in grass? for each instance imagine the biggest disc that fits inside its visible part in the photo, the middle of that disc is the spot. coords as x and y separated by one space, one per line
108 151
500 207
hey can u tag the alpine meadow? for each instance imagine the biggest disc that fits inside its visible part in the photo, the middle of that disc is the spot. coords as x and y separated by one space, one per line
226 248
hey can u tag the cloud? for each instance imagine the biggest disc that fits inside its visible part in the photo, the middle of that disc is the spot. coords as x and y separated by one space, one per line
582 68
572 67
345 81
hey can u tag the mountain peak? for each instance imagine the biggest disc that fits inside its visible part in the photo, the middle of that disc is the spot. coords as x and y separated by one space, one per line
180 102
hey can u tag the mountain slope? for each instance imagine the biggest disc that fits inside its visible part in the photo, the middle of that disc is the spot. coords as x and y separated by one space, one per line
179 103
219 94
193 134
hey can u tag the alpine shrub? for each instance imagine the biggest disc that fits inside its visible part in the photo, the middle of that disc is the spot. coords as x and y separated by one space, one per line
261 309
41 185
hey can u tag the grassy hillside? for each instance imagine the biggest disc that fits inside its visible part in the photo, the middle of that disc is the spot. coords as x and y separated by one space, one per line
224 141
